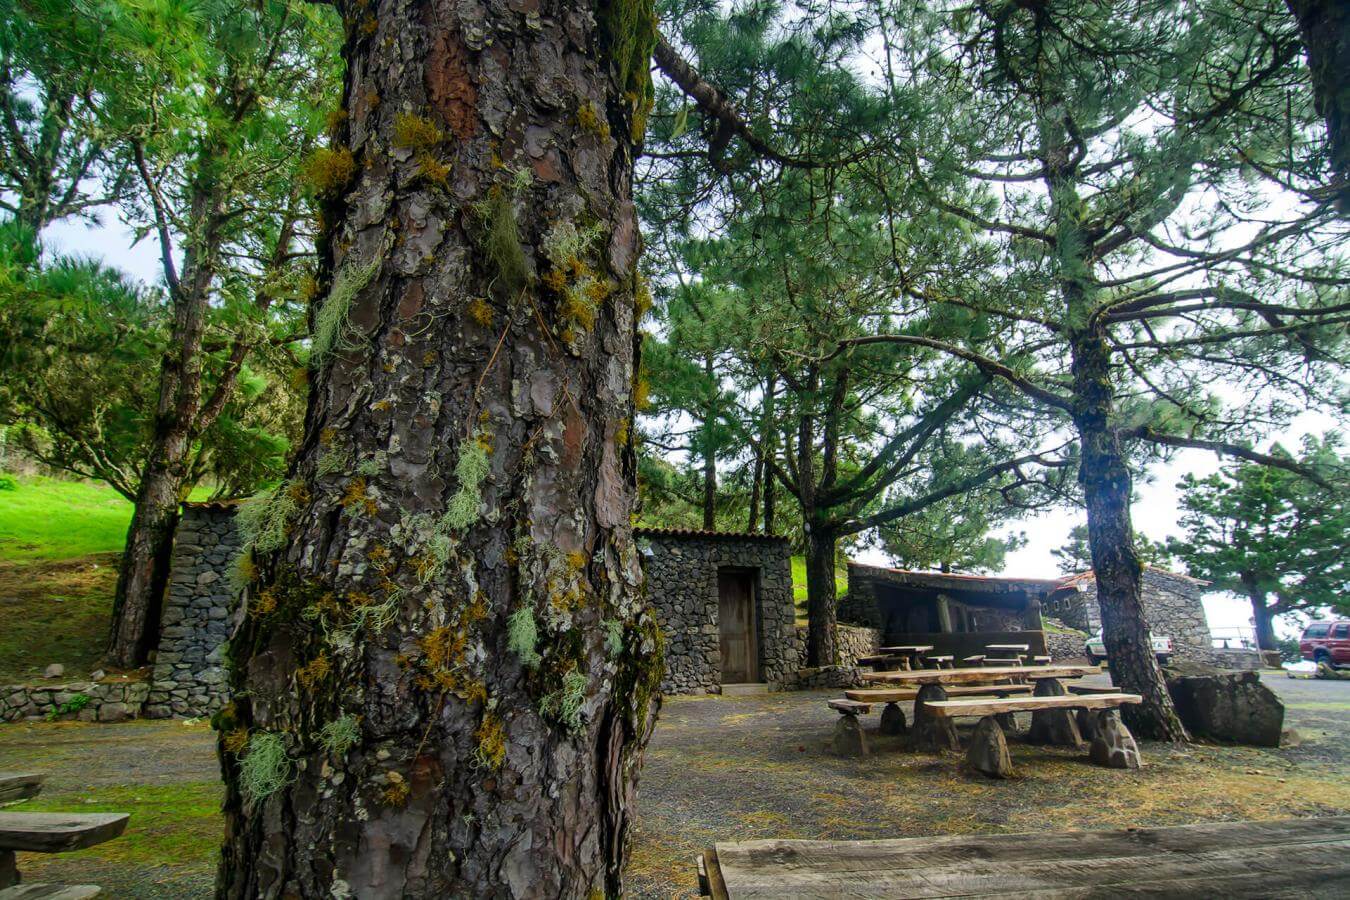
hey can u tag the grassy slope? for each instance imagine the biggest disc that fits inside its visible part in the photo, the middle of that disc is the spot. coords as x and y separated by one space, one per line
799 586
59 542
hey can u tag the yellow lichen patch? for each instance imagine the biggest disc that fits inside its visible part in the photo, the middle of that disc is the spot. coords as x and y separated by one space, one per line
491 737
641 394
315 671
265 603
432 169
355 496
413 132
329 170
379 559
396 790
480 311
589 118
235 741
335 120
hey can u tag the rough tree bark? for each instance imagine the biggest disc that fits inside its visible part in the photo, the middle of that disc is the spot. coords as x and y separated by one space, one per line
1325 27
1106 489
822 643
709 459
450 647
145 559
1262 614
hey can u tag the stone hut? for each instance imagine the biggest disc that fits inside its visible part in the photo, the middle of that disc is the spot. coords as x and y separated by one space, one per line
725 602
1172 606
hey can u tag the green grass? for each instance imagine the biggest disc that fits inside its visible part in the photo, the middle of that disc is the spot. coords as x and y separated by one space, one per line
47 519
799 586
171 824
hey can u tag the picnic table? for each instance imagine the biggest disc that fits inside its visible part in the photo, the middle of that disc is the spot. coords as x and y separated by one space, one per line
1010 648
910 653
1050 726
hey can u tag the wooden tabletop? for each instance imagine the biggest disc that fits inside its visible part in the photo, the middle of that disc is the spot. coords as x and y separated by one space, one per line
1022 647
1289 858
911 648
985 675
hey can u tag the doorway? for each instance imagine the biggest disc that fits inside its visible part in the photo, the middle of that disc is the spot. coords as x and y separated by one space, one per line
737 626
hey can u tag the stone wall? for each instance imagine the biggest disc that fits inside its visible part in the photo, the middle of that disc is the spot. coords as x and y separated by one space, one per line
681 570
1063 642
199 608
1172 606
107 701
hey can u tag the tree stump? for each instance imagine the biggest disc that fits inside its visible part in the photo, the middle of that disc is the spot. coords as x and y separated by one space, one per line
1114 746
892 719
849 738
931 732
1053 726
988 751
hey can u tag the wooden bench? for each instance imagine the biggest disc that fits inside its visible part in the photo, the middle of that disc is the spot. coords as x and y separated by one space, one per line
991 662
1042 660
1112 744
16 786
51 833
885 662
974 660
903 695
940 661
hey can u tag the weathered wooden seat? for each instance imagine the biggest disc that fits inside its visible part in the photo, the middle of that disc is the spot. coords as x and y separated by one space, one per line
19 786
990 661
849 707
903 695
1082 689
940 661
49 892
1112 744
58 832
1042 660
52 833
975 660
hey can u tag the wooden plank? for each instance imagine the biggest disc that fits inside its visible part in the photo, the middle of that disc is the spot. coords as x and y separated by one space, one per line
1109 876
1091 689
947 709
50 892
904 695
906 648
851 707
1076 864
58 832
988 675
20 785
1017 648
717 886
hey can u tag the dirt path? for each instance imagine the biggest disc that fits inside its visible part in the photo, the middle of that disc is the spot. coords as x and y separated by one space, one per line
717 769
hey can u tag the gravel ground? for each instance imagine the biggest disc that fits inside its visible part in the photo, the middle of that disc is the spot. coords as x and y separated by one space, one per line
718 769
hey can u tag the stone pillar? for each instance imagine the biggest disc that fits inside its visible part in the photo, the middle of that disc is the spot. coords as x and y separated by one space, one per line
988 751
931 732
1053 726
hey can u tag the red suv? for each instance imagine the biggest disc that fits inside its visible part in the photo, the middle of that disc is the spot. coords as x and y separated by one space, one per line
1327 642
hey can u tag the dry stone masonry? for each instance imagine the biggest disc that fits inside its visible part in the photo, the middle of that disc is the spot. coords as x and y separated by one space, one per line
681 569
199 610
87 701
1172 606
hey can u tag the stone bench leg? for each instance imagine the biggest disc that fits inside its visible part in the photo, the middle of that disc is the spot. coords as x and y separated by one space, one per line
1087 724
849 738
1007 721
931 732
988 751
9 870
892 719
1114 746
1053 726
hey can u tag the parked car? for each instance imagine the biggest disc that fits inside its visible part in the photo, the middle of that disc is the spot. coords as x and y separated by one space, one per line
1326 642
1095 648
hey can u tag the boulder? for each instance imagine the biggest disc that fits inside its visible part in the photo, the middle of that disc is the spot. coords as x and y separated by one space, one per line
893 719
1112 744
849 739
55 670
1228 706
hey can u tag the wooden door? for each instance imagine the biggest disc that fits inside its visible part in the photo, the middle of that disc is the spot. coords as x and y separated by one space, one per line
736 618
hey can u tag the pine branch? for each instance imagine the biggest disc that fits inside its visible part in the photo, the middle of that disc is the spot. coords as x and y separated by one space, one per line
1224 448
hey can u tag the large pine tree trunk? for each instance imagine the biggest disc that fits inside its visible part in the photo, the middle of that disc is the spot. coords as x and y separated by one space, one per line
1325 28
459 590
1106 488
822 648
1262 615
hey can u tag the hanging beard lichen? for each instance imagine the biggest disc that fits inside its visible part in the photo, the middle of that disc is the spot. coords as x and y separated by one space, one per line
500 239
340 735
331 320
264 770
523 636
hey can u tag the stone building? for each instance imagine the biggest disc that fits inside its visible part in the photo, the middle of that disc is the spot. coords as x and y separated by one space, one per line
1172 606
725 603
955 614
